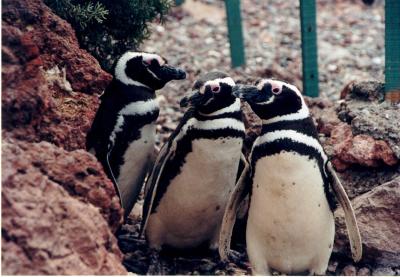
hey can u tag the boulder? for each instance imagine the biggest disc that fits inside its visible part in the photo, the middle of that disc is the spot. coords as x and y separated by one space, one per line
78 172
362 150
378 217
59 210
55 213
50 85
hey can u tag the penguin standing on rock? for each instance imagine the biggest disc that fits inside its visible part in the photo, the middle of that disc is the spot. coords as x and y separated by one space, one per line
123 131
290 226
196 169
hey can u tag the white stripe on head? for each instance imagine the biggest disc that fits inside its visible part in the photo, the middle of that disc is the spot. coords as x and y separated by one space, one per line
120 73
213 124
234 107
134 108
294 136
227 80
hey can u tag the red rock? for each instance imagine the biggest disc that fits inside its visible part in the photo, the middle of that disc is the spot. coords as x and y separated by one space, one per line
323 112
361 149
35 41
378 217
78 172
57 210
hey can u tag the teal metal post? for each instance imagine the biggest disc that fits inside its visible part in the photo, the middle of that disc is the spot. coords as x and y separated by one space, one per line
179 2
392 50
235 32
309 47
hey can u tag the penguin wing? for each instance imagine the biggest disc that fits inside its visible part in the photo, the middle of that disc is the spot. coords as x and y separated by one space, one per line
350 218
228 221
97 138
152 184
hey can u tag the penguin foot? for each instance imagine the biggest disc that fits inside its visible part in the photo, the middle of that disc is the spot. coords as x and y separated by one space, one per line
155 267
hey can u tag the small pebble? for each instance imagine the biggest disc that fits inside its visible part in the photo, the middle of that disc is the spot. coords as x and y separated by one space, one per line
332 266
383 271
364 271
349 270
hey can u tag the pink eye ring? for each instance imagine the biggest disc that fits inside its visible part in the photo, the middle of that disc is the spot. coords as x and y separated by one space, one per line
276 90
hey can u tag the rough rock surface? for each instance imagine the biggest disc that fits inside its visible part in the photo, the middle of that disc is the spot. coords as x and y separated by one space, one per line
44 229
378 217
368 115
362 150
78 172
50 86
59 210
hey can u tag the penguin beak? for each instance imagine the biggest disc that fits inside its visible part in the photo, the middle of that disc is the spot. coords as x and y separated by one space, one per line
196 99
193 99
168 72
245 92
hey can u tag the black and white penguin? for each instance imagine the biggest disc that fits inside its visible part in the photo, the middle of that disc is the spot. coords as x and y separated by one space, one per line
196 169
123 131
290 225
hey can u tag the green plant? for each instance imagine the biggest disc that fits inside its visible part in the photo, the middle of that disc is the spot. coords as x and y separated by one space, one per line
108 28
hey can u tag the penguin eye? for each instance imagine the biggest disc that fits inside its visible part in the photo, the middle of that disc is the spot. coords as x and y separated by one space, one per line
148 62
276 91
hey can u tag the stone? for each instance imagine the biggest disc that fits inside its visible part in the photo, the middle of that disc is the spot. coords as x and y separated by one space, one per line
78 172
364 271
378 217
364 110
349 270
50 85
364 90
361 150
46 229
383 271
333 266
323 112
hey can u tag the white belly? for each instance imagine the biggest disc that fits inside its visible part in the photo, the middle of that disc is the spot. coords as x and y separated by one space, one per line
135 166
290 226
191 210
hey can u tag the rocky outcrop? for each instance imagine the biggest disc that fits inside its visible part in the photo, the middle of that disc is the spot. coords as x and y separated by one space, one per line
78 172
378 217
49 83
44 229
59 210
364 159
361 150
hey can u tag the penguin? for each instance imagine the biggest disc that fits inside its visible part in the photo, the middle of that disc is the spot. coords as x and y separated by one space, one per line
122 136
196 169
290 226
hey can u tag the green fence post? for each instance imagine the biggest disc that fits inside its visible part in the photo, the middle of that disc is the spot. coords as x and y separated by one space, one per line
392 50
235 32
309 47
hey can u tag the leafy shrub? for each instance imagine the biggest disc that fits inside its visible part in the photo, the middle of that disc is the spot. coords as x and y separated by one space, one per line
107 28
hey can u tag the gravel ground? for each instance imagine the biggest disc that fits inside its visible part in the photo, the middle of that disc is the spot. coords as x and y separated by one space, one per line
194 36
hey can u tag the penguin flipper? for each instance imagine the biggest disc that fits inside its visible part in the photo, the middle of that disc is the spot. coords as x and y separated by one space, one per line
228 221
350 218
152 184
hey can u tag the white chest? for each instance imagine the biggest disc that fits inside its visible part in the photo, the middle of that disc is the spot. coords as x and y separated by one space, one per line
193 205
290 223
136 160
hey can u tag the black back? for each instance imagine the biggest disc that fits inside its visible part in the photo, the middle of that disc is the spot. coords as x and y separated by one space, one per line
116 96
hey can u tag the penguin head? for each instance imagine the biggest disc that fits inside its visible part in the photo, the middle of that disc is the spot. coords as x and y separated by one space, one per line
210 93
146 69
272 98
